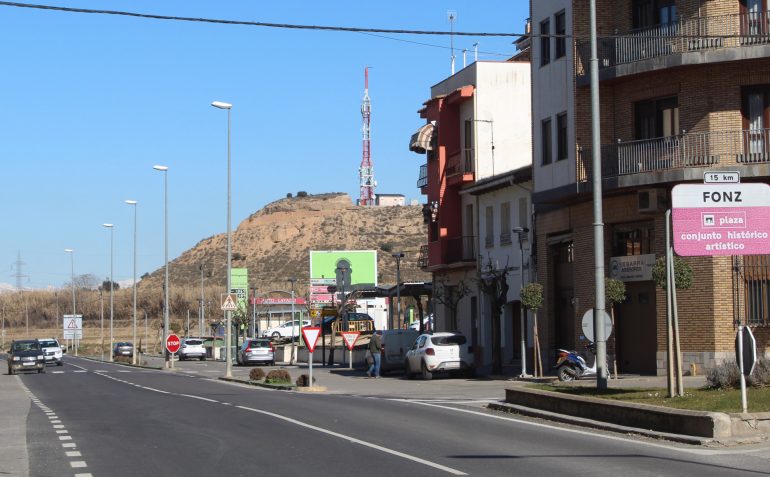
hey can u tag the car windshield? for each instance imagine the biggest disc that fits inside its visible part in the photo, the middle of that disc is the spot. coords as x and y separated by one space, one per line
25 346
260 343
121 345
49 344
448 340
193 342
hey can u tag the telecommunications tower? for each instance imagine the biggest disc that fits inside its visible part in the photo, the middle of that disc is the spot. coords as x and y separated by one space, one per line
366 171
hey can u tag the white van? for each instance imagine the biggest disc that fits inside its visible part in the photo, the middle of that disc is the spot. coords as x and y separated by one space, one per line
395 344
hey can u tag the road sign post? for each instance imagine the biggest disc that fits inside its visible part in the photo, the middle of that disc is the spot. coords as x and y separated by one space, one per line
350 338
173 343
310 334
746 358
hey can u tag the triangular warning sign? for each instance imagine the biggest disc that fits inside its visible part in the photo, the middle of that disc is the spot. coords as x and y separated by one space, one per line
350 338
73 325
229 304
311 336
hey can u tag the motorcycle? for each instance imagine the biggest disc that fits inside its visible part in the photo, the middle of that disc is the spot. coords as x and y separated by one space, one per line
570 365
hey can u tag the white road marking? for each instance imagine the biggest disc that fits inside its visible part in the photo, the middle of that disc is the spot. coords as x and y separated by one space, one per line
65 438
69 445
55 421
80 371
358 441
83 475
62 431
77 464
198 397
58 426
57 372
73 454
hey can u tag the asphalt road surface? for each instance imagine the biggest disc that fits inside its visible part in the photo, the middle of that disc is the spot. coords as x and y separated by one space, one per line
100 419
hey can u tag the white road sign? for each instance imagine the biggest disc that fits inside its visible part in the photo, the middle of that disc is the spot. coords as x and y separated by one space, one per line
229 302
73 327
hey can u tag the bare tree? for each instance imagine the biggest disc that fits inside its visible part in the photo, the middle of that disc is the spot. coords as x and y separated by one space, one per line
494 283
450 296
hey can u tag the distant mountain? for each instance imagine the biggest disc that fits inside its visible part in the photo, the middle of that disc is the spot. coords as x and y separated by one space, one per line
274 243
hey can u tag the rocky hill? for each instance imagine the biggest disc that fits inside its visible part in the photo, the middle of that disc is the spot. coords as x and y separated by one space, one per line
274 243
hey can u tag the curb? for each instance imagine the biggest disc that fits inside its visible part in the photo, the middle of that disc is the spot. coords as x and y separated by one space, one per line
280 387
128 365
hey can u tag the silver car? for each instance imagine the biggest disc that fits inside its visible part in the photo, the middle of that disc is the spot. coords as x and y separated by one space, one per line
256 350
192 348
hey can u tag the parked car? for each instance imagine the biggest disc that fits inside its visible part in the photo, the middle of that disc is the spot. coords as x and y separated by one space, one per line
445 351
26 355
395 344
123 348
427 323
326 327
256 350
285 330
52 350
192 348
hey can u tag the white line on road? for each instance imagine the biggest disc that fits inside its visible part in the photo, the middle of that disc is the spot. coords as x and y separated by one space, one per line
83 475
198 397
358 441
69 445
65 438
78 464
73 454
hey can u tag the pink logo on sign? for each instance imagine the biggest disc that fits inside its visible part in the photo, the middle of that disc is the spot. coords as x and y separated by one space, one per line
721 219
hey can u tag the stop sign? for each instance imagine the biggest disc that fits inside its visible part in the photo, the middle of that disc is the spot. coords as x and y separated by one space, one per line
173 343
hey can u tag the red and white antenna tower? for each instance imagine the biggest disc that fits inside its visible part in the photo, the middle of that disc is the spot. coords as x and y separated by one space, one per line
366 171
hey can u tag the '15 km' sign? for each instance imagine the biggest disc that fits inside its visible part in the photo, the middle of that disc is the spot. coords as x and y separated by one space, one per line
721 219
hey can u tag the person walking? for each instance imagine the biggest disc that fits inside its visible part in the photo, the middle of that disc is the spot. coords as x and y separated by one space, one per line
375 347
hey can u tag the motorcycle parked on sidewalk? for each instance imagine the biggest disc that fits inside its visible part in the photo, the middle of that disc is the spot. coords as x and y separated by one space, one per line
570 365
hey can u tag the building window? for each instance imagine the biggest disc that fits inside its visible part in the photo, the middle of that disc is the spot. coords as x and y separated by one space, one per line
468 146
545 42
560 21
505 223
489 224
756 123
632 240
651 13
545 137
656 118
523 213
561 137
755 272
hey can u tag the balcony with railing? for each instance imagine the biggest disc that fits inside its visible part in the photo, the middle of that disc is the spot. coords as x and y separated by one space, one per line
422 181
460 167
684 151
460 249
686 35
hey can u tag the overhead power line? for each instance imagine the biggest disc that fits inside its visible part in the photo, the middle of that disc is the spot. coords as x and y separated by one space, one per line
250 23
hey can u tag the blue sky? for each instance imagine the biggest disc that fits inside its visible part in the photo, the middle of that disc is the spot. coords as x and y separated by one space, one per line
92 102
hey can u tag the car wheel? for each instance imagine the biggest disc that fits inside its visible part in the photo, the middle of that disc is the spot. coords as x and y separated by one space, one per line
203 358
272 363
10 371
59 363
408 374
565 373
41 371
426 375
276 336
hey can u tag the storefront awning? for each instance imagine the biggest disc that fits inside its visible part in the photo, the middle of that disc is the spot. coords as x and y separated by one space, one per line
422 140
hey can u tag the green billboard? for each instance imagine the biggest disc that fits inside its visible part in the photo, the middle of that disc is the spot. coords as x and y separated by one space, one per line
363 265
239 284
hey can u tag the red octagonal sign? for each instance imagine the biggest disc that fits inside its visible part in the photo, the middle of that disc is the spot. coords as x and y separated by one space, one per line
173 343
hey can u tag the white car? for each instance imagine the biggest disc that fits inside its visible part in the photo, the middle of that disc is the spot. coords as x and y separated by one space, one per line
445 351
192 348
285 330
52 350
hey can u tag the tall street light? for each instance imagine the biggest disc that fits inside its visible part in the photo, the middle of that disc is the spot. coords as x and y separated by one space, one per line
228 314
72 279
112 309
164 170
398 256
522 233
294 334
133 353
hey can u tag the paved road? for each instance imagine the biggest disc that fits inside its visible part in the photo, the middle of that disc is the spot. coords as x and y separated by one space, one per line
99 419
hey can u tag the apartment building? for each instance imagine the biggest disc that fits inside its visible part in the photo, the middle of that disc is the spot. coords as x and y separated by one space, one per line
684 89
477 139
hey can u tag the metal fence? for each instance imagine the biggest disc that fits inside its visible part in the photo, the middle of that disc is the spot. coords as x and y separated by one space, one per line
751 289
698 149
686 35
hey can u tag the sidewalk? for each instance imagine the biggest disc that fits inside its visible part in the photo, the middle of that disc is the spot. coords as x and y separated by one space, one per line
13 427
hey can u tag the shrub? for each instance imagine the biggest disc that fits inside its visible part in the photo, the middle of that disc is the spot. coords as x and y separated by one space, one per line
532 296
256 374
302 193
304 380
683 274
278 376
761 375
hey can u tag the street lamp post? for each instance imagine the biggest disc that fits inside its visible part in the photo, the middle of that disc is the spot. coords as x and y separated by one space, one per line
201 311
133 353
398 256
294 334
164 170
72 279
112 228
522 233
228 314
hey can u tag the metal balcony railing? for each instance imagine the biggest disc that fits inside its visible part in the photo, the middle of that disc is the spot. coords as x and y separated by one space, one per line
422 259
422 181
677 152
692 34
460 163
461 249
